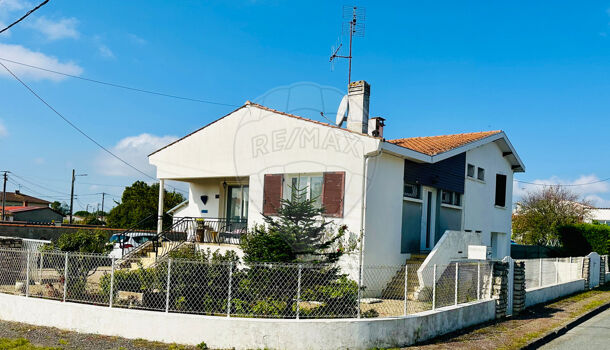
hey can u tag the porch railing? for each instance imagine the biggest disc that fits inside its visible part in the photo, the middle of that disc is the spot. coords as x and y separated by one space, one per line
208 230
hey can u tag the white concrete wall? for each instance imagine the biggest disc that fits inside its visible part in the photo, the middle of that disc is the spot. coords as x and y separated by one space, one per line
542 295
244 333
452 246
383 223
480 212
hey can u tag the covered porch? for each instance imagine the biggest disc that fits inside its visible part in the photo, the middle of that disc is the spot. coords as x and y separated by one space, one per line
216 211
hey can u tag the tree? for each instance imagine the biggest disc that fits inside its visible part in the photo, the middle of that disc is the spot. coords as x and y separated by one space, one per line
295 235
540 213
139 202
62 208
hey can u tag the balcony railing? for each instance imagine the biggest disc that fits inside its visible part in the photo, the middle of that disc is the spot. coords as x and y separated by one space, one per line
207 230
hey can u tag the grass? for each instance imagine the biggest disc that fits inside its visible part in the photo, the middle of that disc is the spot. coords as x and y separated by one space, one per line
21 344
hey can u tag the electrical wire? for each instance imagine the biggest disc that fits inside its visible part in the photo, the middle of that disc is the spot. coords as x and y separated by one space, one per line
24 16
77 128
563 185
121 86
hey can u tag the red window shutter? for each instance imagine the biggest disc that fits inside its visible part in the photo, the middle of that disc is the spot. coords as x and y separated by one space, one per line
333 193
272 194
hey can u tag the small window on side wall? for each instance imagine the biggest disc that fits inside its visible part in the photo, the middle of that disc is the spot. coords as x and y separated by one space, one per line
412 190
500 190
481 174
471 169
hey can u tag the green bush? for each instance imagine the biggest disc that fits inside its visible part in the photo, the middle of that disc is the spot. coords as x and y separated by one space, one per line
581 239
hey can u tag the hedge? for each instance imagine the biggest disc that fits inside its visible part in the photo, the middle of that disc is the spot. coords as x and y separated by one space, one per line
582 239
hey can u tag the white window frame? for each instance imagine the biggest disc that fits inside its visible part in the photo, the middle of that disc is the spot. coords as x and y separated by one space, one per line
287 190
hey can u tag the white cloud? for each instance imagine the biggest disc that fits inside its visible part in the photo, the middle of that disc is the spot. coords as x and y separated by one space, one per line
134 150
590 188
55 30
105 52
8 10
21 54
136 39
3 131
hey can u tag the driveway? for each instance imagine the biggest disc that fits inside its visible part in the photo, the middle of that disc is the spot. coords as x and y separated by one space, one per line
592 334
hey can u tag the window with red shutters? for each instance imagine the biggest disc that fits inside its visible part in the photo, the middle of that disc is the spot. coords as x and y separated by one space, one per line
333 193
272 193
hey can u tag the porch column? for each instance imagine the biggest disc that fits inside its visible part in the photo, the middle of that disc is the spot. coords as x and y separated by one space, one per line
161 200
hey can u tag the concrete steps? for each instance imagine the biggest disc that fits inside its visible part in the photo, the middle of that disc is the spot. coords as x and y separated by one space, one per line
395 289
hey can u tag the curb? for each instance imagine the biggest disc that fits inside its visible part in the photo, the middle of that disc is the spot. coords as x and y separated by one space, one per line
556 333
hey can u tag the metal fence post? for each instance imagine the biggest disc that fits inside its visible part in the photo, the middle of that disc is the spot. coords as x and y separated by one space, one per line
457 268
556 270
540 274
360 268
66 277
169 273
111 283
406 288
479 281
434 288
299 291
229 290
27 274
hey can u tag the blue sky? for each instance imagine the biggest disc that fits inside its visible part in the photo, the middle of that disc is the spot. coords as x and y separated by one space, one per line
540 72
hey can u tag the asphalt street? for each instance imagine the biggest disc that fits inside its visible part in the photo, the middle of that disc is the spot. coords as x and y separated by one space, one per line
592 334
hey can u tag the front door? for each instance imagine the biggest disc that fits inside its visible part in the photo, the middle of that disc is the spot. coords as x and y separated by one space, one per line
428 218
237 203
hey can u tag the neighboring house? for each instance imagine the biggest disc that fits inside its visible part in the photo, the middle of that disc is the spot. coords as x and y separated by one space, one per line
17 198
403 194
600 215
32 214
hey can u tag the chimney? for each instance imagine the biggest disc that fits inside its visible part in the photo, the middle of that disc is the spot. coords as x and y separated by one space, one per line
17 192
376 125
359 93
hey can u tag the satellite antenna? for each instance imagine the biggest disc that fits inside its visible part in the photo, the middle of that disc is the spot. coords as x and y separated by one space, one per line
342 111
354 25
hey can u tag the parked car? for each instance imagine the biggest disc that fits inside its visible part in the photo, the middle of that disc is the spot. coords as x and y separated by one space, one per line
124 243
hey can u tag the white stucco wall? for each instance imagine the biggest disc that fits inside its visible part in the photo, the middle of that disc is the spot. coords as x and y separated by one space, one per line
542 295
480 212
383 224
245 333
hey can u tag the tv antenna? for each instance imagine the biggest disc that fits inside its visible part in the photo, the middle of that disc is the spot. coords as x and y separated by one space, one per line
353 24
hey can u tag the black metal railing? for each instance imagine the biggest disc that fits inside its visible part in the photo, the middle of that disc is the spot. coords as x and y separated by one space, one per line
210 230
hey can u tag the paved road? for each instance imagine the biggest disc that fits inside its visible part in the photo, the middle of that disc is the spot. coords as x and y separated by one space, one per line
592 334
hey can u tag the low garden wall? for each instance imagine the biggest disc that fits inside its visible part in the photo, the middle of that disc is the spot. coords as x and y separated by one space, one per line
543 294
245 333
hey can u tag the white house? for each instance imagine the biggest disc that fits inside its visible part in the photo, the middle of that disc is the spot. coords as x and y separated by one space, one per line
401 195
600 215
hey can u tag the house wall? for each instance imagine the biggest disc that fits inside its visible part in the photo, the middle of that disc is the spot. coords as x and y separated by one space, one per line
40 215
212 187
252 142
384 211
480 213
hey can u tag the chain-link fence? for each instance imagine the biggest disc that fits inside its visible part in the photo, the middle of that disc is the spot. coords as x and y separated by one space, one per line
265 290
549 271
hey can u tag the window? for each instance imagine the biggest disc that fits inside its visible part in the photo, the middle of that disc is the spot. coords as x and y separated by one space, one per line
412 190
453 198
311 185
500 190
481 174
470 170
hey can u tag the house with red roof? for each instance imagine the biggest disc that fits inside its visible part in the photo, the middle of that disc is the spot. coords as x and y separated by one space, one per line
399 198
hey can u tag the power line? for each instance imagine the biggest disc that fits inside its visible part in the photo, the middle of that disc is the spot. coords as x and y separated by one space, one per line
24 16
121 86
74 126
563 185
35 184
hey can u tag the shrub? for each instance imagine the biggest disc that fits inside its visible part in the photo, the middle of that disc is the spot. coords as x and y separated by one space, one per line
581 239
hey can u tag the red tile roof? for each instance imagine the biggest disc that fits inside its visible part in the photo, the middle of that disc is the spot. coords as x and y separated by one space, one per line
433 145
17 209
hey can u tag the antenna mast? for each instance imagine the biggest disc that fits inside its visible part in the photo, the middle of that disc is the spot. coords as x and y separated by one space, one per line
355 26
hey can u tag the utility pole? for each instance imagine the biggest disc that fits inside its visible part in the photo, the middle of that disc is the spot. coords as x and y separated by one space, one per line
103 195
4 196
74 175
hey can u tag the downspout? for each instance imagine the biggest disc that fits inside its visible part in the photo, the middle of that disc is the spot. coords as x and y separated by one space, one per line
362 213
